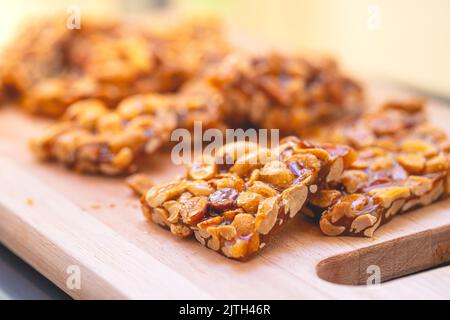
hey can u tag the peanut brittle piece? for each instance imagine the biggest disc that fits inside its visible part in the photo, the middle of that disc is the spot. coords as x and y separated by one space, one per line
49 67
91 138
412 172
285 92
380 128
235 202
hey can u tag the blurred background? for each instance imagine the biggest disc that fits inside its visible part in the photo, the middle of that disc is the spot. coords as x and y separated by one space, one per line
402 40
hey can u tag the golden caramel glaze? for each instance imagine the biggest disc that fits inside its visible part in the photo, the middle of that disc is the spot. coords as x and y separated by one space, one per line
286 92
235 207
403 162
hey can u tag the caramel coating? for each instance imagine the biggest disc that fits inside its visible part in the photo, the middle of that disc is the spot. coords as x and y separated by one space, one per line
235 214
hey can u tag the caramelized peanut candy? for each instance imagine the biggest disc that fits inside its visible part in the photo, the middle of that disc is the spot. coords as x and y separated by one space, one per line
117 86
84 148
410 171
285 92
48 67
384 129
93 139
236 215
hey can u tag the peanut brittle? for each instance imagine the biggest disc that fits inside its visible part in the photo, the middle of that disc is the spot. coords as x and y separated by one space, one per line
380 128
303 91
91 138
399 168
49 66
199 100
285 92
235 202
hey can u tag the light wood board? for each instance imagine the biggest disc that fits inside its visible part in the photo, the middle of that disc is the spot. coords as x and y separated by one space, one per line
54 219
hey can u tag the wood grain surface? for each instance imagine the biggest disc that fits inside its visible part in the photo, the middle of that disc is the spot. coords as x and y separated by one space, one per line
54 219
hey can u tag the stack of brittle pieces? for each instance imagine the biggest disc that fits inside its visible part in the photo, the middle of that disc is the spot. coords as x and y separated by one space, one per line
352 188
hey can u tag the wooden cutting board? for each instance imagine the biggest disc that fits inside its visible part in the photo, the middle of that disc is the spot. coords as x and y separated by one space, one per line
61 222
